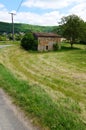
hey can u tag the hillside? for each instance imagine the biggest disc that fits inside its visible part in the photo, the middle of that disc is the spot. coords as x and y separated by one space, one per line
50 87
7 28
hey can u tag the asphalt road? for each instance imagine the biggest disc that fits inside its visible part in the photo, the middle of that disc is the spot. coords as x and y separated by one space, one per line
8 119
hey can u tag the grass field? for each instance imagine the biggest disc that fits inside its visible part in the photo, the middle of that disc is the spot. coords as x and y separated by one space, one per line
9 42
50 86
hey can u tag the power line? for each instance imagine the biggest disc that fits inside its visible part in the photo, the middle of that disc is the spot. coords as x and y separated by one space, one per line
19 6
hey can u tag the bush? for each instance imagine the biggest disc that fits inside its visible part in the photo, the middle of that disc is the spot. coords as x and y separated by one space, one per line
55 46
2 38
29 42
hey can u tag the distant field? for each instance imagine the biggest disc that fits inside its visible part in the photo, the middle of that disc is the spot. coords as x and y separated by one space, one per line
51 85
9 42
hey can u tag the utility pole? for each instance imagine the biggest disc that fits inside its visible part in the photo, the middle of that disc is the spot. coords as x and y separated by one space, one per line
12 14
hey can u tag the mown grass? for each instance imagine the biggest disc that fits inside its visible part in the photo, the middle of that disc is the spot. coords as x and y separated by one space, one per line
35 100
50 86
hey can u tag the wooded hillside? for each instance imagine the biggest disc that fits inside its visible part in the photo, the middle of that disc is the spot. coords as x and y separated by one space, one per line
7 28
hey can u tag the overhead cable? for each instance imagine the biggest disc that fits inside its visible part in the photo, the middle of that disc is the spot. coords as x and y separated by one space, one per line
19 6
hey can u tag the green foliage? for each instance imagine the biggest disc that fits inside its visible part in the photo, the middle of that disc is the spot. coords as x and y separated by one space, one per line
29 42
58 30
5 27
55 46
2 38
72 28
83 36
10 37
18 36
18 27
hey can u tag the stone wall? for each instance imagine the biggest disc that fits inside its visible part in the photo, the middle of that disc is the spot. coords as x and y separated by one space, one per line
46 43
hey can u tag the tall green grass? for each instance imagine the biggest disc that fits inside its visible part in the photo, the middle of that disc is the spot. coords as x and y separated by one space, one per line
33 99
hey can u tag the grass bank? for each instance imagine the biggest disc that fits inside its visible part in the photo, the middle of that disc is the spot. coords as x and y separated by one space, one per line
48 86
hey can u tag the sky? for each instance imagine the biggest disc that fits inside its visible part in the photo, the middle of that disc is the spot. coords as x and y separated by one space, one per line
41 12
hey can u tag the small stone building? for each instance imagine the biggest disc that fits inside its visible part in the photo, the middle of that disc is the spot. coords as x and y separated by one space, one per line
47 40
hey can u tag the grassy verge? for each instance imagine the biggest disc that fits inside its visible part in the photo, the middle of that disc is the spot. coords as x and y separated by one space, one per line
35 101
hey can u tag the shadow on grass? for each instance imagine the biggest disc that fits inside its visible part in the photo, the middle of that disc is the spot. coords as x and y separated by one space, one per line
63 48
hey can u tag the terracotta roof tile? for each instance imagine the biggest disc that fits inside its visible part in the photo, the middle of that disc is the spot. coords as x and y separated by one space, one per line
46 34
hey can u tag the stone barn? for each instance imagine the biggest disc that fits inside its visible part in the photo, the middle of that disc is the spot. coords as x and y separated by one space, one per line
47 40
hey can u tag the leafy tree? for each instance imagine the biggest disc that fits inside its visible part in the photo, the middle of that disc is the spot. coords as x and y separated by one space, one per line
57 29
72 28
29 42
83 36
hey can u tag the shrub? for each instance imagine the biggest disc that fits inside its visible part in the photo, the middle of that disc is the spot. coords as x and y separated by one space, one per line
2 38
29 42
55 46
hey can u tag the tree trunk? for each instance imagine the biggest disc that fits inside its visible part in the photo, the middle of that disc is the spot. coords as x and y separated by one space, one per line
71 45
71 42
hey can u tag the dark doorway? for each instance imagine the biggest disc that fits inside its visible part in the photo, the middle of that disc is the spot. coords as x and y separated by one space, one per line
46 47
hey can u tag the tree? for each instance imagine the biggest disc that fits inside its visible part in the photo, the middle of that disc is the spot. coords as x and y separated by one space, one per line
29 42
57 29
83 36
72 28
